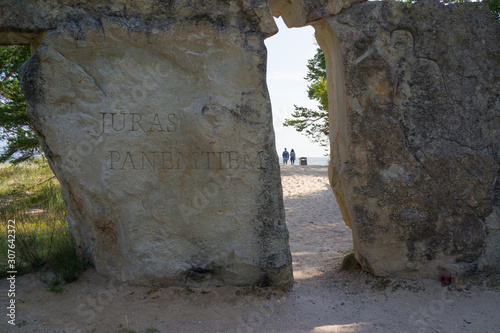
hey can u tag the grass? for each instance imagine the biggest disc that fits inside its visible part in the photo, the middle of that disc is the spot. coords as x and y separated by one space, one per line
185 291
30 196
494 283
489 279
28 186
257 290
349 262
382 283
151 291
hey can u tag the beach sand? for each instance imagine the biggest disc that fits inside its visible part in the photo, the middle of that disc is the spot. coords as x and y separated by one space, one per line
323 299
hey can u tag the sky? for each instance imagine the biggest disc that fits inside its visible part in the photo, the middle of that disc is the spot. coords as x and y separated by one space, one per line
287 55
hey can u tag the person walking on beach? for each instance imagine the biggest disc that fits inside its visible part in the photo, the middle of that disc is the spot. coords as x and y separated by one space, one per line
285 157
292 157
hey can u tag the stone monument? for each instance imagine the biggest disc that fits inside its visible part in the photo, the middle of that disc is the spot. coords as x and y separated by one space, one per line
155 117
160 133
414 95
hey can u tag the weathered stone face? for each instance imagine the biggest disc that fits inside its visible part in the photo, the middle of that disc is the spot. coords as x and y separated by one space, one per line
22 20
415 133
160 132
299 13
161 136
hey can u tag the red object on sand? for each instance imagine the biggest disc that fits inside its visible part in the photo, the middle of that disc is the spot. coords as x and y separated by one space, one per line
446 278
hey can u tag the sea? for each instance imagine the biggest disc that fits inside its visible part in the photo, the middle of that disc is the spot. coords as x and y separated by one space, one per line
314 160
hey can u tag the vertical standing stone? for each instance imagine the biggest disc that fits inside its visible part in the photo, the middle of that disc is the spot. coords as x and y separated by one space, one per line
161 136
414 92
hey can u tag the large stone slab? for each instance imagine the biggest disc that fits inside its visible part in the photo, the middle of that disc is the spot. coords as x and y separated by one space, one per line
22 21
161 137
415 134
299 13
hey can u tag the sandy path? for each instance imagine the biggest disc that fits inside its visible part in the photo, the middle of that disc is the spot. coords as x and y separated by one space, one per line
317 231
322 300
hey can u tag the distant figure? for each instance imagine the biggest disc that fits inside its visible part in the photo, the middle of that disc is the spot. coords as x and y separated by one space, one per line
292 157
285 157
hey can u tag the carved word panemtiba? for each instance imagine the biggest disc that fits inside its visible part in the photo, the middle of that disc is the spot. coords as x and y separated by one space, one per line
165 160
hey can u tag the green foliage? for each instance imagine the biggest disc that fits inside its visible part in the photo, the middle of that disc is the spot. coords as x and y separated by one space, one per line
27 186
494 6
349 262
381 284
316 67
15 128
257 290
313 123
69 266
34 241
29 194
46 248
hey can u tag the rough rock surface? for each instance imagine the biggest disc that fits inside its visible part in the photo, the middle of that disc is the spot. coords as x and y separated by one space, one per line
21 21
162 105
415 134
161 137
299 13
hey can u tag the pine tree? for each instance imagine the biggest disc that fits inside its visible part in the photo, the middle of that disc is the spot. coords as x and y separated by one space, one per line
313 123
15 129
